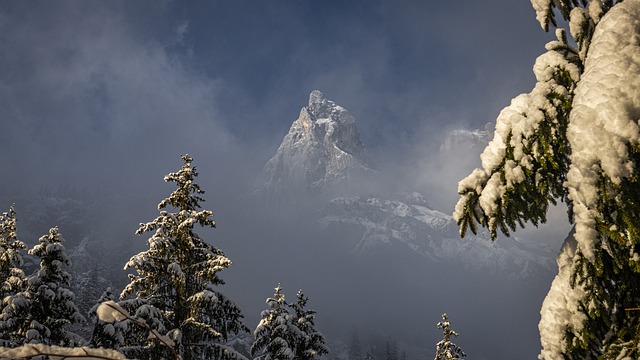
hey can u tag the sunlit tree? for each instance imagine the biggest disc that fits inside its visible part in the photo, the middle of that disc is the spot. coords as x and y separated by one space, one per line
445 348
179 274
575 138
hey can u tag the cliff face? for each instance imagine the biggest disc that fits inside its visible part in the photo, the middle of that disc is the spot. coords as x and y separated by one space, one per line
322 151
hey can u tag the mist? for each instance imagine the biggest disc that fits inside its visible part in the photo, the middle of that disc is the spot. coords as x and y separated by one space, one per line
100 100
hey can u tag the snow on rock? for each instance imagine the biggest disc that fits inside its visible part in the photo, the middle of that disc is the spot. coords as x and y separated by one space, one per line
322 150
466 139
401 221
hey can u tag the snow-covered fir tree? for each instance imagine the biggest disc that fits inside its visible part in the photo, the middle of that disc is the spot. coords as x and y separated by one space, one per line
43 311
354 348
89 288
310 343
390 351
276 332
575 137
369 355
11 275
109 335
174 287
445 348
10 255
284 334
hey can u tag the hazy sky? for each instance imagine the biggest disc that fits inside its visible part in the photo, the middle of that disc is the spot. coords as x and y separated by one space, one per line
111 93
94 93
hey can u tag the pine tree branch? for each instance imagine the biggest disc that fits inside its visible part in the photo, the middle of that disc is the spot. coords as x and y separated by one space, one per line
29 351
163 339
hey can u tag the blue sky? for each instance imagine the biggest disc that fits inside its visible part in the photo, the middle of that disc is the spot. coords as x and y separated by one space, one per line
94 92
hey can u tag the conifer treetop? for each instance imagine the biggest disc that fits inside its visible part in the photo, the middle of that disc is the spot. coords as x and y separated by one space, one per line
186 196
52 257
445 348
11 276
9 243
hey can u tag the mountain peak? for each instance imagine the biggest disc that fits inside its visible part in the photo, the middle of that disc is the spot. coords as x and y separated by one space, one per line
316 97
322 151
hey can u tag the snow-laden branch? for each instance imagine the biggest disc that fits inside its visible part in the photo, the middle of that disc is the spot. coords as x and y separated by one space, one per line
29 351
110 311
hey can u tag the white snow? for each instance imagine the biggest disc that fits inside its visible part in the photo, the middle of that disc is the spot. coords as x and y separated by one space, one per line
58 353
604 116
520 120
542 8
110 311
603 121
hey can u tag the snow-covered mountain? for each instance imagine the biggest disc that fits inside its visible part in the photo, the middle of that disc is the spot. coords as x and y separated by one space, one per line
322 152
466 139
378 224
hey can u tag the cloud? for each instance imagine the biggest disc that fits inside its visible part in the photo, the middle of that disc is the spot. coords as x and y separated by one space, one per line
89 98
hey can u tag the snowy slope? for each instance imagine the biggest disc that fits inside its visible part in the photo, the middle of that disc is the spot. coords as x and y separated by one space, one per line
466 139
407 221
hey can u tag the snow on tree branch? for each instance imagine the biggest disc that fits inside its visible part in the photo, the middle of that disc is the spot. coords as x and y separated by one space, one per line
29 351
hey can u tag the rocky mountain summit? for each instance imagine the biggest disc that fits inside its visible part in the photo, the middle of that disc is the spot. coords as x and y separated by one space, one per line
322 152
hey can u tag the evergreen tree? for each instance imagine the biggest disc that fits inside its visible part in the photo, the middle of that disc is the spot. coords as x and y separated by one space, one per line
11 276
575 138
276 331
282 334
445 348
89 288
390 351
369 355
310 343
109 335
43 312
176 278
355 349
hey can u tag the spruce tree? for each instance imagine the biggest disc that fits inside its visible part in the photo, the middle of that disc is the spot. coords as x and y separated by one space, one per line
390 351
445 348
11 276
369 355
108 335
355 349
310 343
43 311
177 277
575 138
276 331
287 331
